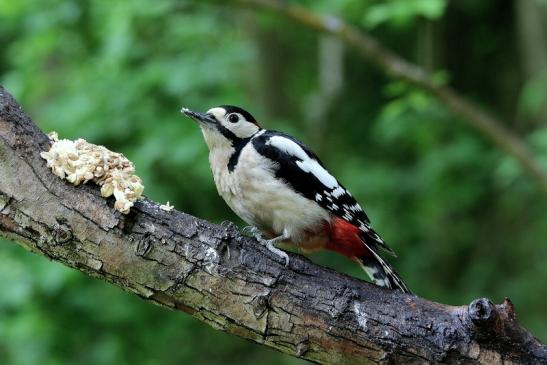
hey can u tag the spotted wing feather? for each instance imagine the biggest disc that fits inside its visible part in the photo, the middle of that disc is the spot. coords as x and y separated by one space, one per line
304 171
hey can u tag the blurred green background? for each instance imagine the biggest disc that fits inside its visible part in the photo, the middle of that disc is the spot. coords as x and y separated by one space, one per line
463 218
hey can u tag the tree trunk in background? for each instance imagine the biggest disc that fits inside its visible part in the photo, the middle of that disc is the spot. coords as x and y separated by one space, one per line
330 78
268 76
426 45
532 32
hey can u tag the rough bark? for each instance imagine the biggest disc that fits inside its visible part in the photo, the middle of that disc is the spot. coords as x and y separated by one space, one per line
229 282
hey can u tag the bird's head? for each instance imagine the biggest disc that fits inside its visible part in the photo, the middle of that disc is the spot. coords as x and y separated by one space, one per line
224 125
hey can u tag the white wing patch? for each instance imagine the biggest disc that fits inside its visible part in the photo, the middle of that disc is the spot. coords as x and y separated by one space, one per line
307 164
313 167
323 188
288 146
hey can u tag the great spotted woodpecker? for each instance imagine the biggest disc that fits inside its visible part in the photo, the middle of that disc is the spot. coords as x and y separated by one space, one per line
279 186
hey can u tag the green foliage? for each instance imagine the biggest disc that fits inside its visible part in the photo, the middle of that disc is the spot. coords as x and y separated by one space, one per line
461 215
402 12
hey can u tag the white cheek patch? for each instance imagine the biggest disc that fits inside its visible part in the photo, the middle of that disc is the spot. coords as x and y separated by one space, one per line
242 129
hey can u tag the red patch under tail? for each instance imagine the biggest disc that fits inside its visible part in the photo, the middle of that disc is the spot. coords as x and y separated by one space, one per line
345 239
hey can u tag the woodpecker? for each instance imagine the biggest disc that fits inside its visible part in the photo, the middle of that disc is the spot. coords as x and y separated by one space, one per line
281 188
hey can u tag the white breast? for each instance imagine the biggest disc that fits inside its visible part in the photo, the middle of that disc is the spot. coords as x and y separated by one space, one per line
259 198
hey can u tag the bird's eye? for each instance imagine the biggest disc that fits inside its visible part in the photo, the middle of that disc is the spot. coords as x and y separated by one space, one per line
233 118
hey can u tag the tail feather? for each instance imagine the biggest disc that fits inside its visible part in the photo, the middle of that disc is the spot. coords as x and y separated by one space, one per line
351 241
381 272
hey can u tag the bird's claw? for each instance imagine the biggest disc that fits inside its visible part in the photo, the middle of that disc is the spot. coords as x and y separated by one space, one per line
276 251
253 231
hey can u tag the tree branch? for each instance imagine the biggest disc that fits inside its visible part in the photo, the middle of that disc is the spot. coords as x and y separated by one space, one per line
396 67
232 283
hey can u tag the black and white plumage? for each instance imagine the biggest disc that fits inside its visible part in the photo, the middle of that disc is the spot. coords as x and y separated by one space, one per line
278 185
303 170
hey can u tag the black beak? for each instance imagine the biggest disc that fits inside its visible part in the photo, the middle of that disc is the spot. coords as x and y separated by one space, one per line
199 117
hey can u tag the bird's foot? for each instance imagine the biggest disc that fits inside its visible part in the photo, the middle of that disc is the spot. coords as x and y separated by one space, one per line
270 244
280 253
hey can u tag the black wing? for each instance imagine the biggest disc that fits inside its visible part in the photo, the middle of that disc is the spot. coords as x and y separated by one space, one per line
299 167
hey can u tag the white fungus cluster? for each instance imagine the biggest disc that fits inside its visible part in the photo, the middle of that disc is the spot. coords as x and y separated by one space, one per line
80 161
